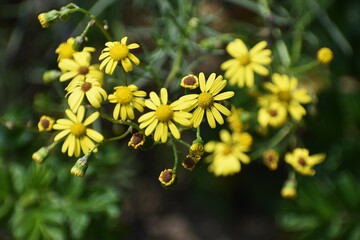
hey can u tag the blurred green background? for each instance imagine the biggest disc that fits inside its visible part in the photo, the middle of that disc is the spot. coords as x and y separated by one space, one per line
120 196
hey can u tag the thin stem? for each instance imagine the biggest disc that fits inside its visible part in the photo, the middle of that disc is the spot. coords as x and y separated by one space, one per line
176 157
198 136
183 143
109 118
125 77
121 136
305 67
74 8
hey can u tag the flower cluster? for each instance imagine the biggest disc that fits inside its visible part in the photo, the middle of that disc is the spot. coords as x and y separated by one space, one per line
258 108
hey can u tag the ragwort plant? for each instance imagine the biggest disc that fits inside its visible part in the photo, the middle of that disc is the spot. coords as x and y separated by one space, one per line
255 96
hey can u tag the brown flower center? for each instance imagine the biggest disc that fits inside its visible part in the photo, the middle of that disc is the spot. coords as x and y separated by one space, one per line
190 80
273 112
45 123
166 176
86 86
302 161
83 70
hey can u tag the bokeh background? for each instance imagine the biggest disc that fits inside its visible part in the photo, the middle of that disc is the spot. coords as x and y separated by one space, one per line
120 196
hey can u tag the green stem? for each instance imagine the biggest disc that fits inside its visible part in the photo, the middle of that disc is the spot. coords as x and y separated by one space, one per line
176 157
121 136
305 67
183 143
198 136
124 75
109 118
74 8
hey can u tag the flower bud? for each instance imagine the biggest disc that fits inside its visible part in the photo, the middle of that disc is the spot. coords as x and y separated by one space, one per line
40 155
51 76
78 44
325 55
80 167
288 191
49 18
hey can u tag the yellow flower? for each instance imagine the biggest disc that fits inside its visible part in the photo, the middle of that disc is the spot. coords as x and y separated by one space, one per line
46 123
65 49
167 177
284 90
190 82
325 55
116 52
227 155
300 160
207 100
241 68
271 159
163 116
79 68
127 98
274 115
79 136
89 87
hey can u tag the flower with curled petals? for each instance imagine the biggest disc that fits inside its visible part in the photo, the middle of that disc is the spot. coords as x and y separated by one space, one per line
208 100
228 154
79 137
302 162
164 116
89 88
240 70
118 52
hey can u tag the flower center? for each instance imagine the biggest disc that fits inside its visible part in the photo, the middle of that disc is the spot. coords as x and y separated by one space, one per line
164 113
190 81
205 100
83 70
227 150
284 96
273 113
119 52
189 162
86 86
78 129
166 176
45 123
302 161
66 51
123 95
244 59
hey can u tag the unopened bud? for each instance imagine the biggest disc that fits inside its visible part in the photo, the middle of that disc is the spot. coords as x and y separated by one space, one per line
51 76
49 18
40 155
80 167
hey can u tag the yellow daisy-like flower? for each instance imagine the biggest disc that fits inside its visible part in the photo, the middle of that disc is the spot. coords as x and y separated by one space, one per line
116 52
167 177
300 160
65 49
79 136
127 98
45 123
240 70
91 88
207 100
274 115
228 154
164 116
79 68
284 90
325 55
